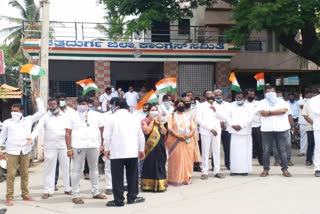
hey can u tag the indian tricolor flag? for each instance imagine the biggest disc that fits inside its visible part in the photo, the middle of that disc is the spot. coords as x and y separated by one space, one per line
151 97
87 85
260 81
34 70
167 85
234 82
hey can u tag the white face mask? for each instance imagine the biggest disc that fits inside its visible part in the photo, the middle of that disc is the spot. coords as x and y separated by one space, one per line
271 97
62 103
82 108
16 115
154 113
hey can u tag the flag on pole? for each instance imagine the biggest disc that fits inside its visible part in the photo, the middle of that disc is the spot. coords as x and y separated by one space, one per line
151 97
234 82
87 85
34 70
167 85
260 81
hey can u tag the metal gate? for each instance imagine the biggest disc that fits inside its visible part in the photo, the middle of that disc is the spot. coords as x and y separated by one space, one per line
195 77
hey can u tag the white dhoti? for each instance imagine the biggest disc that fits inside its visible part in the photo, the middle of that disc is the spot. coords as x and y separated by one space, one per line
241 153
316 160
107 172
49 169
303 139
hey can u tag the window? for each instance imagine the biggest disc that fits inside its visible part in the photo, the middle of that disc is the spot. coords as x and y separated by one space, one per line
184 27
274 43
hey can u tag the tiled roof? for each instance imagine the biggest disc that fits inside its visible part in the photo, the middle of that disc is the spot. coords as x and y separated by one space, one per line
9 92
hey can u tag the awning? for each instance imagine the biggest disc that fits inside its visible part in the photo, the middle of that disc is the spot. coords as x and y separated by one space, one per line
9 92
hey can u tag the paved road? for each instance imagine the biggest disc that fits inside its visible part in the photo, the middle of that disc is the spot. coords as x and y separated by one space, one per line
250 195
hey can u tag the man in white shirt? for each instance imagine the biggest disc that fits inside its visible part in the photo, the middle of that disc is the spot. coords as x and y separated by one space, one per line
124 143
143 113
166 108
274 129
132 98
114 93
315 111
257 149
84 139
239 125
105 98
210 131
68 112
54 147
14 134
225 108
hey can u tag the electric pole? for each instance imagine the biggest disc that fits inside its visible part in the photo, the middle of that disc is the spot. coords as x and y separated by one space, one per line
44 63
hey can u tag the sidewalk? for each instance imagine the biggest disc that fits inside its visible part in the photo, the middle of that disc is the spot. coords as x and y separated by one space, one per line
249 195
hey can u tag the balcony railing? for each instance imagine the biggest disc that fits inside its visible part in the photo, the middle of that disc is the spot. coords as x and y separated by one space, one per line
87 31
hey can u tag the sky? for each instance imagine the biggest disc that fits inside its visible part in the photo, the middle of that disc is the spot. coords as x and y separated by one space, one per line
61 10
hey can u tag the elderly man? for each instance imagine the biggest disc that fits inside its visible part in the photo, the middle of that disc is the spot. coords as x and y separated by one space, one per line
274 129
14 134
124 143
84 139
225 109
54 147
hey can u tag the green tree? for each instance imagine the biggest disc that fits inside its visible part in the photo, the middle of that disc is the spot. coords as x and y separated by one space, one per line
146 12
287 18
29 12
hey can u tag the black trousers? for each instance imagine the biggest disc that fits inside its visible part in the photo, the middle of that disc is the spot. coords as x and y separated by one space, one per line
226 138
257 150
117 168
310 149
86 167
56 177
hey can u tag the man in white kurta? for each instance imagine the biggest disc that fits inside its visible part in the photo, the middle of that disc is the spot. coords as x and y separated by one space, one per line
54 147
315 111
239 127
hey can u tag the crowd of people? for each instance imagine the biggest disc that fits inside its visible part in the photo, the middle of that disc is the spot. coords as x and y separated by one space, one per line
159 145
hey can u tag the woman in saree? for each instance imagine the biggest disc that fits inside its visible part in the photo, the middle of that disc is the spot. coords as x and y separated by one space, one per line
180 144
154 176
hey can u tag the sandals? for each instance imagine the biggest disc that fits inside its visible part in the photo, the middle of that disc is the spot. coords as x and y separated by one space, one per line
100 196
9 203
265 173
77 201
28 198
45 196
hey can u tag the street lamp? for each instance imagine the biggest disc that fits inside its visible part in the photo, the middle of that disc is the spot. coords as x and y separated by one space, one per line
26 92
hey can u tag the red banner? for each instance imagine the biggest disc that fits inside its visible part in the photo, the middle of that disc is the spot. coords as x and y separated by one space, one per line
2 71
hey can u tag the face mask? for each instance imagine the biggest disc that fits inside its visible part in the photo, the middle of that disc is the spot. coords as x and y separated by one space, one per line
167 104
82 108
55 112
281 98
92 108
62 103
154 113
16 115
180 108
112 89
218 100
112 109
193 105
240 102
250 99
187 105
271 97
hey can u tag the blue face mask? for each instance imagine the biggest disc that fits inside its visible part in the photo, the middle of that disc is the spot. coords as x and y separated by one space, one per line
193 105
280 98
112 109
218 100
167 104
239 102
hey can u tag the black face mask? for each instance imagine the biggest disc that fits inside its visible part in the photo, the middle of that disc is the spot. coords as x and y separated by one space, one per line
250 99
187 105
180 108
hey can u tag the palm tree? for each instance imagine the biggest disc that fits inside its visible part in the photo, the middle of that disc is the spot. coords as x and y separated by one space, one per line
30 13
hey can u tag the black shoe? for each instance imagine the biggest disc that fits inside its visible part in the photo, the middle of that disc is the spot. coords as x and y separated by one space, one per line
244 174
114 204
3 211
308 163
317 173
137 200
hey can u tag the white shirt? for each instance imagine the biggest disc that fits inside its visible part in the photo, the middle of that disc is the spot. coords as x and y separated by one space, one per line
242 116
104 99
295 109
68 111
168 112
302 102
315 111
275 123
86 129
131 98
256 118
207 119
54 131
140 114
223 110
307 111
123 135
14 133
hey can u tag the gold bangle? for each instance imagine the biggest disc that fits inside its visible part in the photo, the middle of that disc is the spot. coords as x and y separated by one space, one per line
69 150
